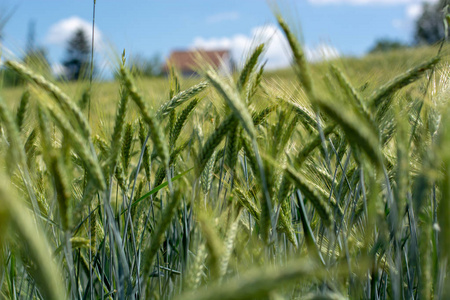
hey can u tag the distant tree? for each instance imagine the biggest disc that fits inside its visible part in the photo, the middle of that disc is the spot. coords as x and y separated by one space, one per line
77 56
142 66
384 45
35 58
430 25
7 77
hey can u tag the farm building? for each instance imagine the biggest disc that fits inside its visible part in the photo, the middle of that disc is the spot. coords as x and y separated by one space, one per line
186 61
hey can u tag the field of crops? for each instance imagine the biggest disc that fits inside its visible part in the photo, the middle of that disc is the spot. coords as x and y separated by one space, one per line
325 181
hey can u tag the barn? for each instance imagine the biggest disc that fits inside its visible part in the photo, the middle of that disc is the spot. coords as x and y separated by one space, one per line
186 61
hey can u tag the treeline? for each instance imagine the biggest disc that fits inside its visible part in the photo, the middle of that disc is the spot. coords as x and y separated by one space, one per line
76 64
430 28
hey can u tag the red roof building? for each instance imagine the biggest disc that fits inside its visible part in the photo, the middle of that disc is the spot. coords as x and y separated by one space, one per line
186 61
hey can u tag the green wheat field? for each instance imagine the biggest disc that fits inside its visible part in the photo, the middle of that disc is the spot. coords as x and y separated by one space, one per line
325 181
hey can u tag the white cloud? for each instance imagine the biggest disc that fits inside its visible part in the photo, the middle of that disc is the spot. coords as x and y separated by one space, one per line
363 2
413 11
277 51
222 17
60 32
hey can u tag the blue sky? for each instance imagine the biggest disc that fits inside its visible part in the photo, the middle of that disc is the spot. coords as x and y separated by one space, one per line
328 27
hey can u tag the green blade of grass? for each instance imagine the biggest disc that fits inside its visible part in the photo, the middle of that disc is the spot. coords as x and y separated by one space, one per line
156 189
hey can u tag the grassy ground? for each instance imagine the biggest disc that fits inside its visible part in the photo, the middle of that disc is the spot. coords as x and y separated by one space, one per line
324 181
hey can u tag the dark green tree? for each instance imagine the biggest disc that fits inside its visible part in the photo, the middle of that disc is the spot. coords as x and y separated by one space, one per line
430 26
384 45
36 57
77 56
37 60
148 67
